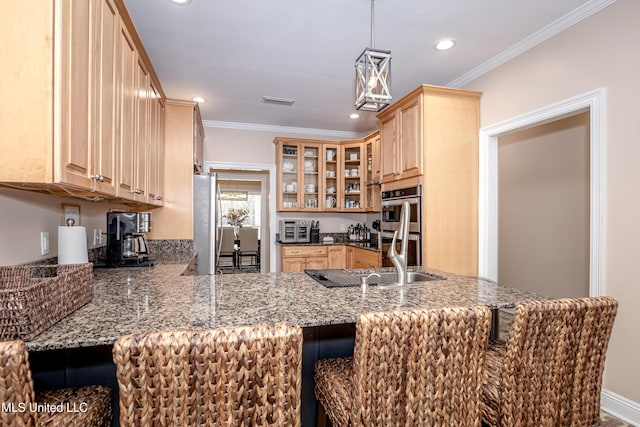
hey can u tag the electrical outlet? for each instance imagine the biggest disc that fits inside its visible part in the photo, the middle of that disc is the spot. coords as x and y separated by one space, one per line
97 236
343 228
44 243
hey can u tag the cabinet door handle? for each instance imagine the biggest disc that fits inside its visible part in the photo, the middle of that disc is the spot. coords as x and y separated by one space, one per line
97 177
137 191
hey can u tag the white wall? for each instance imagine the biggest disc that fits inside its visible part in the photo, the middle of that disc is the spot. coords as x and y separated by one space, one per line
23 215
543 208
600 51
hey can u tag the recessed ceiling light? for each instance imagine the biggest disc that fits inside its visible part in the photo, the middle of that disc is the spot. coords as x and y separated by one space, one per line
181 2
354 115
444 44
199 99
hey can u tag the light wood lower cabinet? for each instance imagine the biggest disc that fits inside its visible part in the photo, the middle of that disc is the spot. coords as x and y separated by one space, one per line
363 258
337 256
300 258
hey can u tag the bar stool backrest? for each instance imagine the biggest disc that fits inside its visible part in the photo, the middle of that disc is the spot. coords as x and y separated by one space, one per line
420 367
16 385
553 362
224 377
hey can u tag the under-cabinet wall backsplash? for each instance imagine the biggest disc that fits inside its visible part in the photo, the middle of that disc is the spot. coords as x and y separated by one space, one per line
24 215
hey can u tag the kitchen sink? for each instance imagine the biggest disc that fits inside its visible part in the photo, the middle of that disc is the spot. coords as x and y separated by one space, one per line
388 278
346 279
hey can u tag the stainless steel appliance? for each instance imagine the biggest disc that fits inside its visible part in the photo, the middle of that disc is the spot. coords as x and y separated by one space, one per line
207 222
294 231
391 202
126 243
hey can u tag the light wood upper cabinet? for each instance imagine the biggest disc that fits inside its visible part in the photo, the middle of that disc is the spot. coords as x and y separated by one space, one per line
78 101
431 137
331 190
326 176
76 42
401 131
142 142
126 62
300 174
373 172
198 142
155 177
175 219
104 105
353 173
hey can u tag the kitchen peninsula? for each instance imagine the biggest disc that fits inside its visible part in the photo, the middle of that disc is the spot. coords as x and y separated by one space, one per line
132 300
77 350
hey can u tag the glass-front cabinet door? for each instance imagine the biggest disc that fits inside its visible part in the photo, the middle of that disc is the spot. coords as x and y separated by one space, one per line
311 165
353 172
289 160
372 176
331 191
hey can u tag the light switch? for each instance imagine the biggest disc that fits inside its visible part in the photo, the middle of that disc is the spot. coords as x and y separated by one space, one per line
97 236
44 243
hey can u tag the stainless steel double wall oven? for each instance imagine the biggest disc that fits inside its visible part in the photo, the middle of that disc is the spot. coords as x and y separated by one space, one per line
392 201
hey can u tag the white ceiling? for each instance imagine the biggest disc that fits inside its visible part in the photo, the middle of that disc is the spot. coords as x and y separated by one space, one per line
234 52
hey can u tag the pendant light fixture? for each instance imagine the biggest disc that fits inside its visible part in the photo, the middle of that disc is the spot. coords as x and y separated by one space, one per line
373 75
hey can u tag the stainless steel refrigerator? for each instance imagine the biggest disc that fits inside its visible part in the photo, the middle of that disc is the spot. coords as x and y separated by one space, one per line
207 222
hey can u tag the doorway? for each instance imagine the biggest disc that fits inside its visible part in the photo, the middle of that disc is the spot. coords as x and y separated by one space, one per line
258 182
591 103
543 208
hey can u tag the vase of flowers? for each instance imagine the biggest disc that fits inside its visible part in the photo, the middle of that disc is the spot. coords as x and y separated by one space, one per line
235 218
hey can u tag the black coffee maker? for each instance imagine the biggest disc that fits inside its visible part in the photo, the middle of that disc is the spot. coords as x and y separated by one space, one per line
127 246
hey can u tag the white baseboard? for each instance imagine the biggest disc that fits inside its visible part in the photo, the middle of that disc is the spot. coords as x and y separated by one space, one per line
620 407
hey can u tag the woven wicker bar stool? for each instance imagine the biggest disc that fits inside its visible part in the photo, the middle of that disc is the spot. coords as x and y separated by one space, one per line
86 406
241 376
549 371
409 368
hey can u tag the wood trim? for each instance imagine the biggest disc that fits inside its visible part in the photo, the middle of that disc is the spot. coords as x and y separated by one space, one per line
488 182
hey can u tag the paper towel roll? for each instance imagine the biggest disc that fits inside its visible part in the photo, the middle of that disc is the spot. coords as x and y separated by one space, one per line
72 245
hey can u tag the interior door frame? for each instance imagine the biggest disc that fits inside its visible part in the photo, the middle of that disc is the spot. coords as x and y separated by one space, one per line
592 101
269 229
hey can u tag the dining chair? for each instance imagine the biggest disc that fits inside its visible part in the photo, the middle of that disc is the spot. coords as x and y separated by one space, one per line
224 377
226 248
249 247
549 370
411 367
86 406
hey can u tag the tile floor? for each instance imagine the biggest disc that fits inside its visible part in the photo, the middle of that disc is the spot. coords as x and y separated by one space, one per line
606 420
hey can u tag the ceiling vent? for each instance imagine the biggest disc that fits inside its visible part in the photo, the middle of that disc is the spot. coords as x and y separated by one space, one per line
278 101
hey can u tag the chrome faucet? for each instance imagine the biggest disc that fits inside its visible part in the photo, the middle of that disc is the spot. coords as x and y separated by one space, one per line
399 261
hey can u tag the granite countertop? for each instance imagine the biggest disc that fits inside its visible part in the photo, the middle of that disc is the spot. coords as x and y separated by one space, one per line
354 243
134 300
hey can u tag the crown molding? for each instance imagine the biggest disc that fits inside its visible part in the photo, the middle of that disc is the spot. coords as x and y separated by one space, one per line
282 129
552 29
